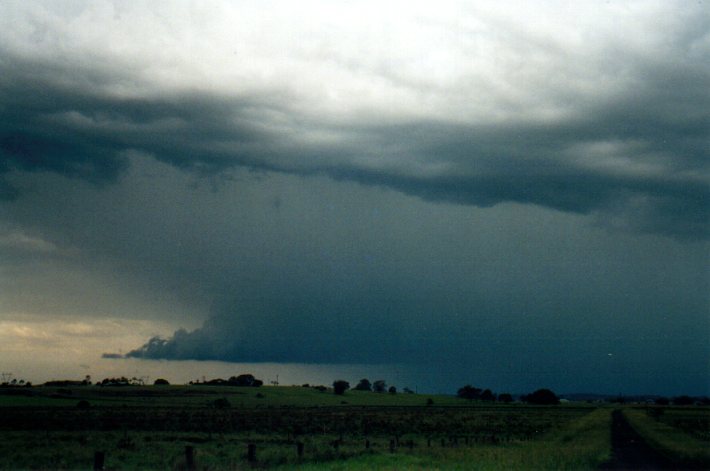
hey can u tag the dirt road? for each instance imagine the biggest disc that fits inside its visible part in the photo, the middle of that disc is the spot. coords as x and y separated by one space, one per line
630 451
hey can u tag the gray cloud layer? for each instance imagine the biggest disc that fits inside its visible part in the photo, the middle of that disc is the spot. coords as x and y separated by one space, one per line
633 152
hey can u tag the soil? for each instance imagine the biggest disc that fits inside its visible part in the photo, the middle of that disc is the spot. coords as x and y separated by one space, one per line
630 451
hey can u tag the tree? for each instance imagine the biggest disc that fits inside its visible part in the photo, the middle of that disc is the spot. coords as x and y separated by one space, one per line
363 385
379 386
542 397
392 390
469 392
161 382
505 398
662 401
683 401
340 386
245 380
488 396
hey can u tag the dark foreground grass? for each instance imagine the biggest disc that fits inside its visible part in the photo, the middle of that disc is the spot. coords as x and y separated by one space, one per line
582 443
683 448
150 428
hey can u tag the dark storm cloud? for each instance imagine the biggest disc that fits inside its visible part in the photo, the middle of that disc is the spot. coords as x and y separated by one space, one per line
310 248
66 126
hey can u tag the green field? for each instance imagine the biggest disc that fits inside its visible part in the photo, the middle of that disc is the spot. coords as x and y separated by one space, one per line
150 428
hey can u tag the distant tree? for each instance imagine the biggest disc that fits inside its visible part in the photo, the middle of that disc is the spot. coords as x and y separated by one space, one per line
617 399
320 388
505 398
429 401
392 390
245 380
408 391
542 397
469 392
363 385
488 396
683 401
340 386
122 381
161 382
379 386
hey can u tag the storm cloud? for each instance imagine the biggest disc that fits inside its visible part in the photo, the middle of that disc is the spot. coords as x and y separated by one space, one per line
599 124
496 183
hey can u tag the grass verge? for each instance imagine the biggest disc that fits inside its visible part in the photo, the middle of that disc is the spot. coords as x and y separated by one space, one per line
680 447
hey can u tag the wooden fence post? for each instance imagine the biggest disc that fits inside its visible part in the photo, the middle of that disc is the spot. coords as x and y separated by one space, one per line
190 457
99 459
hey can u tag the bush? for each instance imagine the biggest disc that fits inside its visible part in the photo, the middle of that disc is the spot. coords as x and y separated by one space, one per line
542 397
505 398
221 403
469 392
363 385
340 386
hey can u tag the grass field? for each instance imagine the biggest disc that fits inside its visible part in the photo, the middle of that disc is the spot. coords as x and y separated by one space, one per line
150 428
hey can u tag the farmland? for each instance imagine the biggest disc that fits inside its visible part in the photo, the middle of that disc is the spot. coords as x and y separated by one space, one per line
157 427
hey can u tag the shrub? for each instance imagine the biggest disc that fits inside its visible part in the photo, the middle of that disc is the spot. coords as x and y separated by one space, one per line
340 386
221 403
542 397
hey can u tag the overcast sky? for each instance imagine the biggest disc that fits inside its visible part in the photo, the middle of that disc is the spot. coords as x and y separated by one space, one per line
508 194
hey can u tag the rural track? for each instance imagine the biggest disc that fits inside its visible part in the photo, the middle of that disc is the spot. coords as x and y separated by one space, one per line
630 451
